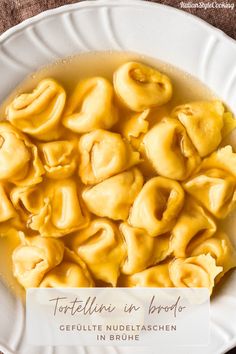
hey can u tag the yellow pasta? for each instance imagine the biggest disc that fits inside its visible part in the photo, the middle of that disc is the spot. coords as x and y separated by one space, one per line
194 272
141 87
157 277
113 197
204 122
193 226
142 250
157 206
38 113
53 211
104 154
219 247
91 106
170 150
59 158
101 247
70 273
214 186
21 168
34 258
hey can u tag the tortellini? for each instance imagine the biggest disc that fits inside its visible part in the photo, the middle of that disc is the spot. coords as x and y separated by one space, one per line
204 122
193 226
157 277
91 106
170 150
53 211
142 250
194 272
101 247
38 113
34 258
220 248
19 160
214 186
141 87
70 273
113 197
59 158
157 206
104 154
113 186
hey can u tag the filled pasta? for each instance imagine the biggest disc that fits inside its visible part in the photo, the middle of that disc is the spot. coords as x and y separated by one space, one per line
34 258
141 87
219 247
194 272
157 206
157 276
204 122
104 154
38 113
55 210
142 250
170 150
70 273
91 106
193 226
113 197
214 185
59 158
101 247
23 168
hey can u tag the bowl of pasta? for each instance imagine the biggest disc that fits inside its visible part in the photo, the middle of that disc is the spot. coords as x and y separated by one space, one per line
118 160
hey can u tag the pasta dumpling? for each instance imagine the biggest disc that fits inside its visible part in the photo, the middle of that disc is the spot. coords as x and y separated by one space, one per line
219 247
59 158
70 273
194 272
53 211
133 125
34 258
21 168
204 122
104 154
170 150
91 106
193 226
154 277
38 113
8 216
214 186
113 197
141 87
142 250
157 206
101 247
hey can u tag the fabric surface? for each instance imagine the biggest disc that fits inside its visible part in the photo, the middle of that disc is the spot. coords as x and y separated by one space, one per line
15 11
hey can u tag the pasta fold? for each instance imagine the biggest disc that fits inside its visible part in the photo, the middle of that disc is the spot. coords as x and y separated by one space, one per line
193 226
170 150
38 113
113 197
23 168
142 250
194 272
204 122
141 87
157 206
101 247
34 258
70 273
91 106
104 154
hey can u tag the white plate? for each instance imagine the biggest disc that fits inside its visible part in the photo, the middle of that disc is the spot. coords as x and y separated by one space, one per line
137 26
